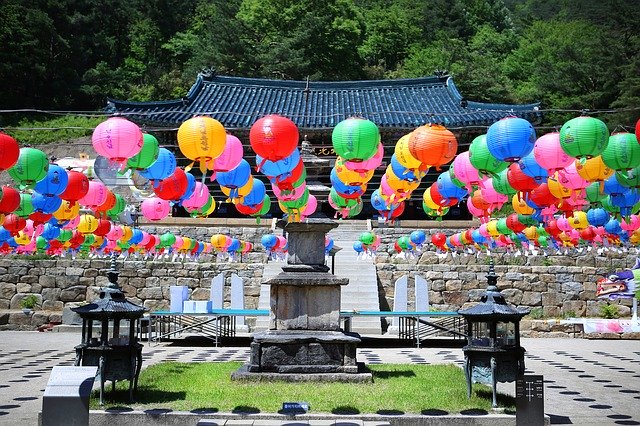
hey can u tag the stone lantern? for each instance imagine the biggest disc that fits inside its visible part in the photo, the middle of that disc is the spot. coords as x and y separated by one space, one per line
493 352
113 349
304 341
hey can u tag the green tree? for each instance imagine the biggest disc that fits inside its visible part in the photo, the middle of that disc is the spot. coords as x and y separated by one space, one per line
564 64
310 38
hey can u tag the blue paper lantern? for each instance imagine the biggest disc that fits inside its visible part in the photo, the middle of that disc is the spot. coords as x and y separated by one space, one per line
269 241
510 139
612 186
357 246
44 203
531 168
235 178
417 237
54 183
281 168
162 168
256 195
450 193
598 216
191 186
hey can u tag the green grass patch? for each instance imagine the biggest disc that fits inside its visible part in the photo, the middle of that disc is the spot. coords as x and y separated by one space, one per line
397 388
59 129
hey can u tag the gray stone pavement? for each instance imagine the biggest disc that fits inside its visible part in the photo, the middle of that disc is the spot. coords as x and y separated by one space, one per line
587 382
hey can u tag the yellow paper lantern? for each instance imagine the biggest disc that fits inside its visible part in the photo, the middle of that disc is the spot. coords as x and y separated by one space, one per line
492 228
127 233
531 232
594 170
403 155
201 139
88 223
520 206
400 185
579 220
1 219
22 238
98 241
186 244
210 210
218 241
426 198
558 191
67 211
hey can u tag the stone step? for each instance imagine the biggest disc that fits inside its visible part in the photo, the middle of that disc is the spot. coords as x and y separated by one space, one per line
296 422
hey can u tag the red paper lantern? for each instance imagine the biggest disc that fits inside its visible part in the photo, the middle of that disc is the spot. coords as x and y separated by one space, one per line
10 200
173 187
436 197
14 223
541 196
479 202
433 145
10 151
77 187
552 228
514 223
587 234
104 226
39 218
109 203
518 180
439 239
248 210
273 137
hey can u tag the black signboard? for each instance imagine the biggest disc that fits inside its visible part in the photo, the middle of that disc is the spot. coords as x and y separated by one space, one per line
529 401
295 407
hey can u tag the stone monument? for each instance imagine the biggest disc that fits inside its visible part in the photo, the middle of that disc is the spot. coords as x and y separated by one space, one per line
304 341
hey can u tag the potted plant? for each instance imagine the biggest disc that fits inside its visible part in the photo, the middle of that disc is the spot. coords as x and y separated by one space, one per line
28 303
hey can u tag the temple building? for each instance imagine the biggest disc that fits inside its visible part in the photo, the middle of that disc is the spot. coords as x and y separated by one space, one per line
316 107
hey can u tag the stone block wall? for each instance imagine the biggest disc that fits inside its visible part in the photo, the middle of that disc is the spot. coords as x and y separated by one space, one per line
558 285
59 283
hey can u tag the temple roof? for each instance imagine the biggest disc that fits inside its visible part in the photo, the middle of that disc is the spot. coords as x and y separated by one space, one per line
238 102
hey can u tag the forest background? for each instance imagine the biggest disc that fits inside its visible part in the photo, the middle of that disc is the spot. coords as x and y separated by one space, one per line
71 55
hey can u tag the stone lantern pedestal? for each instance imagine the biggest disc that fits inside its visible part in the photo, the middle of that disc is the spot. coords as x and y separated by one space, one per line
304 341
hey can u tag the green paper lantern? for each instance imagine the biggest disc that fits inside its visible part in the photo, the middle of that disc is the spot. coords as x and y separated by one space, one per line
481 158
594 193
117 208
630 178
501 184
355 139
147 155
31 167
65 235
622 152
367 238
608 206
41 243
297 203
584 137
167 239
356 210
26 206
404 242
502 226
341 202
266 206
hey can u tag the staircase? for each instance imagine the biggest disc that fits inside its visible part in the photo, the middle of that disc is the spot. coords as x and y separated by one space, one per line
361 294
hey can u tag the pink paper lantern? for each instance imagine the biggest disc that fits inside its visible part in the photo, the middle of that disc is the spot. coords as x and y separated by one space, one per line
199 197
117 139
73 223
569 178
465 172
310 208
230 157
177 245
563 224
631 223
289 195
155 208
96 195
115 233
491 196
475 211
549 154
367 165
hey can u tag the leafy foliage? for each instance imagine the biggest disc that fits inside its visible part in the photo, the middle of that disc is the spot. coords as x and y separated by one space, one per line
73 54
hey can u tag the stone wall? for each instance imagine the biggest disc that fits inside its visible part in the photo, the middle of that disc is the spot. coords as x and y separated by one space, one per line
558 285
60 283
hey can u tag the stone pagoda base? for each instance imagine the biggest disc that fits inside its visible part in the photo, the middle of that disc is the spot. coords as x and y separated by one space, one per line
299 355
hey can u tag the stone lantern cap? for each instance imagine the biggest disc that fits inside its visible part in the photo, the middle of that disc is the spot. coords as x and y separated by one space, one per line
493 305
111 303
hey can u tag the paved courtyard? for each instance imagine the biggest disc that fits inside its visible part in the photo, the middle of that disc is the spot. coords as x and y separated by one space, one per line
587 382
